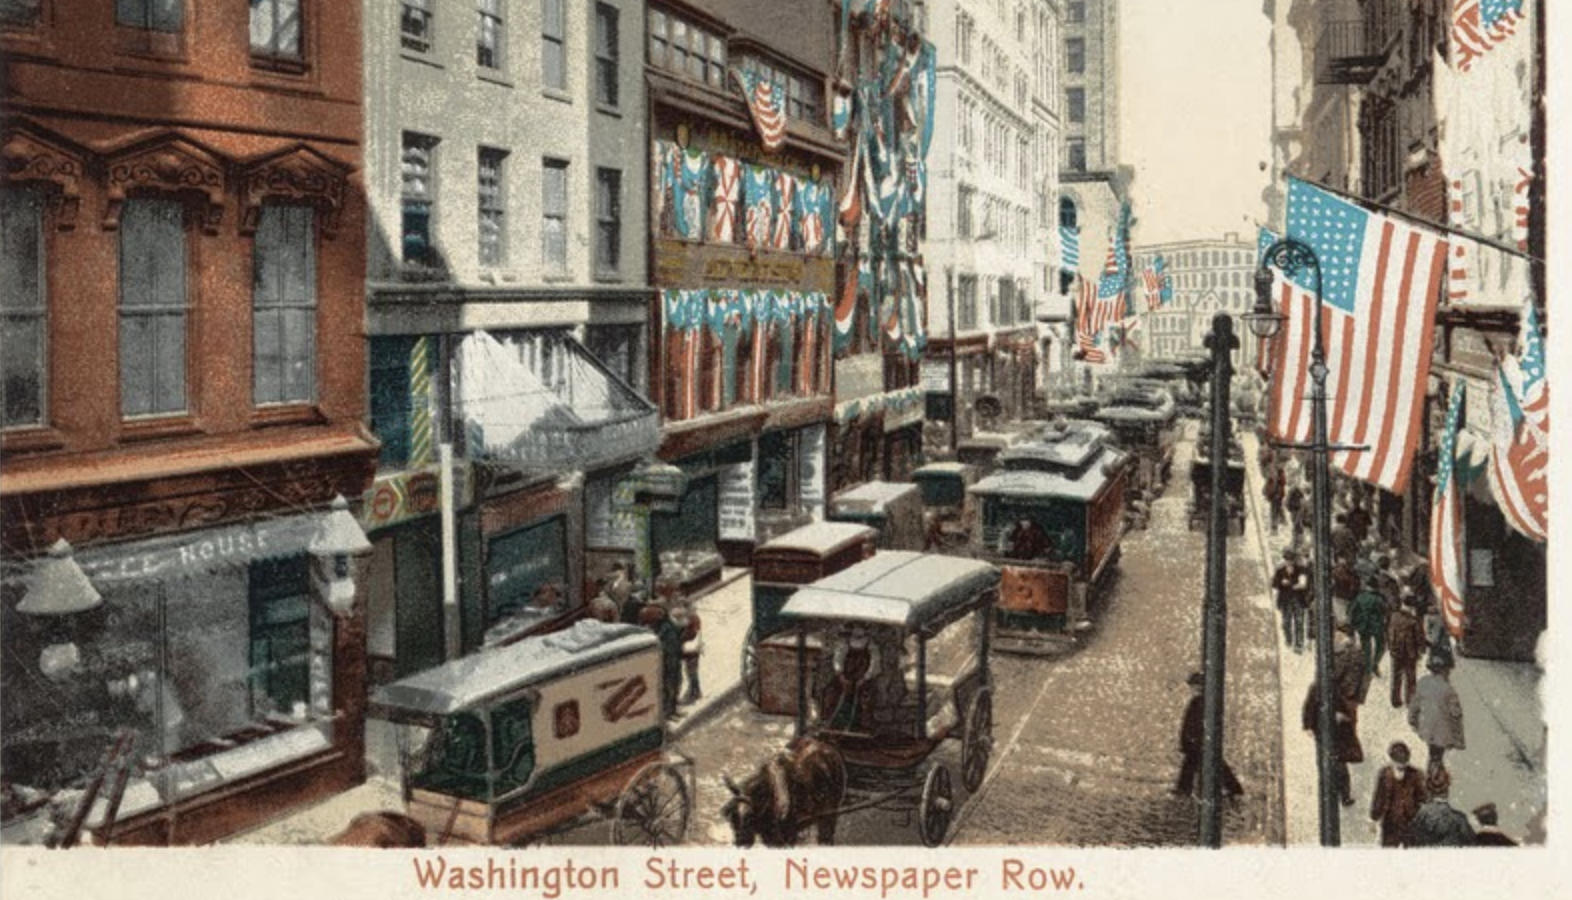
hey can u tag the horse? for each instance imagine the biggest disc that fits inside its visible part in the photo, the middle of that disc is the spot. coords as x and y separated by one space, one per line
381 829
802 785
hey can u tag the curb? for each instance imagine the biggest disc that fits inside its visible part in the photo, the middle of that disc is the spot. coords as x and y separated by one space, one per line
710 709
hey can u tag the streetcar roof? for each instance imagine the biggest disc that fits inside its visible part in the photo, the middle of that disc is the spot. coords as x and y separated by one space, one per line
940 468
874 494
1072 484
821 537
1068 443
470 680
896 587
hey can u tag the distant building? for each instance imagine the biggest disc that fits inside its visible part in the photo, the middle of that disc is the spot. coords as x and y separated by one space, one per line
994 190
1208 277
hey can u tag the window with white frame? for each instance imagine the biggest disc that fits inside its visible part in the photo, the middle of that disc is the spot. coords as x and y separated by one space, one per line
607 32
152 307
1076 103
554 214
276 31
493 247
683 48
963 211
489 41
284 306
1075 55
415 26
553 45
608 220
23 340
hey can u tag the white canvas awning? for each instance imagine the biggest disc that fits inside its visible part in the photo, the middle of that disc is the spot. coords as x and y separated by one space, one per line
541 401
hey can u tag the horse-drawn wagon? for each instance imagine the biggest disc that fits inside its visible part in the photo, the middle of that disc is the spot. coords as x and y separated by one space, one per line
904 671
510 743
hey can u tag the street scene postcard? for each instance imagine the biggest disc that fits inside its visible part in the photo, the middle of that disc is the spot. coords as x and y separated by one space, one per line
705 449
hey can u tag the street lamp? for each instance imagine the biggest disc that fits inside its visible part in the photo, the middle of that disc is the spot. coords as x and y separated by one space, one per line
1214 640
1291 257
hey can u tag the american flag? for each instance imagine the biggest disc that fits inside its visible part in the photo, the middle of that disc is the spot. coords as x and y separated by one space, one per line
1380 280
1446 521
1094 313
1520 425
1478 25
1070 247
1159 288
764 106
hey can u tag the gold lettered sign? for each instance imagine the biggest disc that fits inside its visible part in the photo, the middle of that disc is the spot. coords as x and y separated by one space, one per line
692 264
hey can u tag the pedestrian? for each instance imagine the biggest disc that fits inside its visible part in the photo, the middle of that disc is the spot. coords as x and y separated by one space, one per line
1295 503
1343 541
1345 579
687 620
1438 637
1438 823
1488 834
1436 713
1367 613
656 616
1275 490
1399 791
1345 736
1291 581
1359 519
1405 641
1348 665
1191 732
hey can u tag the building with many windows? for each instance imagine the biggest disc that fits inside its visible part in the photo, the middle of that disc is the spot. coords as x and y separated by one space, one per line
1208 277
508 303
181 282
994 191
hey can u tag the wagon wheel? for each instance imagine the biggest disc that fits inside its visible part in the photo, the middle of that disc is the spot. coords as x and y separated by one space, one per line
751 685
977 740
938 806
653 809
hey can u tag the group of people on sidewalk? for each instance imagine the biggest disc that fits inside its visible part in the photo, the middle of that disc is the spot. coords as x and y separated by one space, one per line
1380 609
670 615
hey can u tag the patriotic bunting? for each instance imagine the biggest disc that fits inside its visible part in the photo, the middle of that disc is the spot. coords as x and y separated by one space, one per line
1479 25
727 177
1446 522
1520 435
764 106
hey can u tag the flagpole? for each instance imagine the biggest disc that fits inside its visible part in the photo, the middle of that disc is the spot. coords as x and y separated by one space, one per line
1402 214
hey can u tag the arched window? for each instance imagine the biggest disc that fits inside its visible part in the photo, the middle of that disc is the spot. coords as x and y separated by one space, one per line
1068 216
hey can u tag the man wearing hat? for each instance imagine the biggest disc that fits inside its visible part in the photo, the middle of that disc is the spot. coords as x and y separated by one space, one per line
1349 675
1488 834
1405 641
1291 582
1438 823
1367 613
1192 731
1436 713
1399 792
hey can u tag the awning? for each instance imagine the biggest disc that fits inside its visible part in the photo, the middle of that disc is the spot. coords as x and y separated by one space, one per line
540 401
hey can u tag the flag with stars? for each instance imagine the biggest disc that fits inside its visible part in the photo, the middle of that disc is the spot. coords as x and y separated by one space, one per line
1520 439
1380 279
1446 521
1478 25
1093 314
1069 247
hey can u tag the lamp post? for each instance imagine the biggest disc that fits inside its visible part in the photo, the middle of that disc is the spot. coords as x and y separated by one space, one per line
1291 256
1214 641
955 397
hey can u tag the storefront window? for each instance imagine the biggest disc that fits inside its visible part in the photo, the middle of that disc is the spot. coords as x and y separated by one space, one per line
527 570
214 675
777 466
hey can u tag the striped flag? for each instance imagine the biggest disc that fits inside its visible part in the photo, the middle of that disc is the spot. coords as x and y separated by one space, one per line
1070 247
764 106
1094 313
1478 25
1446 522
1381 277
1520 426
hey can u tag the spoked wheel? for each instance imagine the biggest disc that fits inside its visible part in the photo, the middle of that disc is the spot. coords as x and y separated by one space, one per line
653 809
977 740
938 806
750 667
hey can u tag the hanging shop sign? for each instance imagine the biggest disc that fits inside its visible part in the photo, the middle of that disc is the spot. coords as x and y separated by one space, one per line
402 496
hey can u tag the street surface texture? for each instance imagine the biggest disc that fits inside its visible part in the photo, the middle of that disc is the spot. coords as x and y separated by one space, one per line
1086 745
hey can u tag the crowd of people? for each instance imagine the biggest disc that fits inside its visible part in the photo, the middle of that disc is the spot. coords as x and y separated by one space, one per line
670 615
1383 612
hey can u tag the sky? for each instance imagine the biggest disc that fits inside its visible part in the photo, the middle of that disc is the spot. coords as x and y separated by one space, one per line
1195 96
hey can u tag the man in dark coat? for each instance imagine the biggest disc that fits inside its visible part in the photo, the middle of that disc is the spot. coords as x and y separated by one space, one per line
1275 491
1438 823
1405 640
1345 736
1399 791
1296 504
1488 834
1191 734
1367 613
1291 582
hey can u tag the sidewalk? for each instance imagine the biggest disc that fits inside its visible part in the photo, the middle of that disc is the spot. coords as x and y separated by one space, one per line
726 613
1503 717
